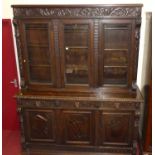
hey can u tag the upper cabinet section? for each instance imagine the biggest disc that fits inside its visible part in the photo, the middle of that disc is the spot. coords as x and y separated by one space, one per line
77 45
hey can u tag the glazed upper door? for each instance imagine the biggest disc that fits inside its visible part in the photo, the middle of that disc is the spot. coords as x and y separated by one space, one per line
76 52
115 56
38 55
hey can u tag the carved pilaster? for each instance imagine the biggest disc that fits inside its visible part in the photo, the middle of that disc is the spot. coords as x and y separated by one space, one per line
96 42
23 141
137 36
57 47
19 50
134 148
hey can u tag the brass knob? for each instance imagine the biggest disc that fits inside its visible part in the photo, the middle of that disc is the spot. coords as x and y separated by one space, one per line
66 48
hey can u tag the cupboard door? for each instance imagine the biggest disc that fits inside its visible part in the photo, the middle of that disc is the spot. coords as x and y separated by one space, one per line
117 127
76 52
78 127
38 55
115 52
40 125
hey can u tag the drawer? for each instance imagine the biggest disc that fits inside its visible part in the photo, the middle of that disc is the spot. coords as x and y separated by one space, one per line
79 104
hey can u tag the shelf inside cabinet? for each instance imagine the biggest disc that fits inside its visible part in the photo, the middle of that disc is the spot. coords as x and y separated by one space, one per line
115 66
115 57
67 48
77 67
39 65
115 74
116 49
33 45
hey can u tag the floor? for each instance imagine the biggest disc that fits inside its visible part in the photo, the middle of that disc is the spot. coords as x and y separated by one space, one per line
11 142
37 152
11 146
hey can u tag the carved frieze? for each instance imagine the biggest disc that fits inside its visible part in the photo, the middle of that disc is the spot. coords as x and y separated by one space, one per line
81 104
44 11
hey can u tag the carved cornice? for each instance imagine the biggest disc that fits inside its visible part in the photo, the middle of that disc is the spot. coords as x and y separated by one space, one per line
69 12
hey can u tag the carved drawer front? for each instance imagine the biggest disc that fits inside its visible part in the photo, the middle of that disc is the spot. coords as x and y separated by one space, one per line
117 127
78 127
40 125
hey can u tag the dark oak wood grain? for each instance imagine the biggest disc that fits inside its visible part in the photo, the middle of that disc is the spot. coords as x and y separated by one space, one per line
78 65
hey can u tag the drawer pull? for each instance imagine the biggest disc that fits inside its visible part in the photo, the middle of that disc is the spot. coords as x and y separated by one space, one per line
38 103
57 103
77 104
117 105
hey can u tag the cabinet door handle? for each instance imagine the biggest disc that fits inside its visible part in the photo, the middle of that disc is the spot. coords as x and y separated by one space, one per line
41 117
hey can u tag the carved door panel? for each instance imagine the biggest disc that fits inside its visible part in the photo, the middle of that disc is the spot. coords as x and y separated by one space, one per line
37 54
40 125
78 127
76 50
117 127
116 52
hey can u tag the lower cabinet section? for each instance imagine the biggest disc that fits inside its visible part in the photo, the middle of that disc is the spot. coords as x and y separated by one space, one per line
99 128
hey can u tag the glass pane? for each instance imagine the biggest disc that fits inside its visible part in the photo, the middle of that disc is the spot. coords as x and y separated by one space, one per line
37 33
40 74
38 55
116 37
115 58
38 52
76 35
115 75
76 53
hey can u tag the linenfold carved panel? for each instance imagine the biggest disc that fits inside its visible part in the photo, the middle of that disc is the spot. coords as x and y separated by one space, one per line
78 12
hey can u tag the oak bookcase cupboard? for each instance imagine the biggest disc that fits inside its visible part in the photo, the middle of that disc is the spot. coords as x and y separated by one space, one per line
78 68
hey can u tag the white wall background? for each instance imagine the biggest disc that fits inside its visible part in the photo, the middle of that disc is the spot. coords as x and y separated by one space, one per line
147 7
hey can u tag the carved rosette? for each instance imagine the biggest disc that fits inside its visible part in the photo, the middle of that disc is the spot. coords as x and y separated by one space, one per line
114 11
